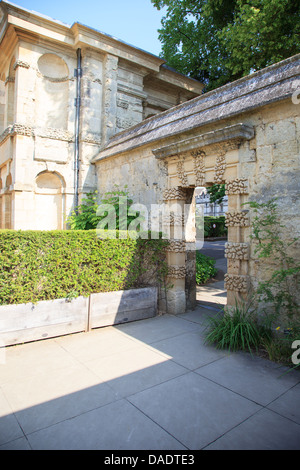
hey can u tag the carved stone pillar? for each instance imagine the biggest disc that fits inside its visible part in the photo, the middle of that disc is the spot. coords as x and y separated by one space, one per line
237 249
220 168
175 199
199 167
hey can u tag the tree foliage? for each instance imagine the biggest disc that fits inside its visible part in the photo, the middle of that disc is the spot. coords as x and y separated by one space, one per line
216 193
218 41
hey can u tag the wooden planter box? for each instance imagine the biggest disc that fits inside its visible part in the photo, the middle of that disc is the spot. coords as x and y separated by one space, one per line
21 323
111 308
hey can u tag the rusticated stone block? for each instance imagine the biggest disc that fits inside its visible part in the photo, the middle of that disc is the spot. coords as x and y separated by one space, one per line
236 282
173 219
234 218
21 63
53 133
237 251
177 246
174 194
237 186
199 166
181 173
21 129
220 169
177 272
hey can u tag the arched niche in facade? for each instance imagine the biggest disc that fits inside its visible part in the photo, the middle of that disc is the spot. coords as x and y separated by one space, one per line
49 201
52 66
52 92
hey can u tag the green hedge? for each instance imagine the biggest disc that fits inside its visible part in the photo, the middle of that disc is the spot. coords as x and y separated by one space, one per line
205 268
46 265
220 228
209 231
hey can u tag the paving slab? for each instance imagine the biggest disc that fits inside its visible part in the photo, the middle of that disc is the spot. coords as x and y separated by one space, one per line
30 359
253 377
189 350
50 397
116 426
135 370
148 385
288 404
193 409
154 329
264 430
10 429
86 347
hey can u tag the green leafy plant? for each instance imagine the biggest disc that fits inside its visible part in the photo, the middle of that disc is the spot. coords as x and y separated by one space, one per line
219 230
88 214
280 288
278 346
84 217
205 268
236 329
121 203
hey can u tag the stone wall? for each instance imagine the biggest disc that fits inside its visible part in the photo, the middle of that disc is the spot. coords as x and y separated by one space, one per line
276 174
246 135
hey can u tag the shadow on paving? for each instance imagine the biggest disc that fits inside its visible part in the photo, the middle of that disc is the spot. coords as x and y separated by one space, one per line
147 385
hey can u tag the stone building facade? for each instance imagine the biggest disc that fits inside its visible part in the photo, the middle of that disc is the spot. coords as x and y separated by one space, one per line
245 134
64 92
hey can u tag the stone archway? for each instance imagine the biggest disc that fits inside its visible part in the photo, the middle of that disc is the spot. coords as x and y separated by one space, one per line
201 160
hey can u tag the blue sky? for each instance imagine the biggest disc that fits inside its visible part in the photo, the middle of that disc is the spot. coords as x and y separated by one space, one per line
133 21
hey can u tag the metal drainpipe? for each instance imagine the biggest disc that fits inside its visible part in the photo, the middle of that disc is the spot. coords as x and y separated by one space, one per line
78 74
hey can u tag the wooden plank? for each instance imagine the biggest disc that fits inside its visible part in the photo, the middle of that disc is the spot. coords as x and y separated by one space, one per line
110 308
28 322
22 323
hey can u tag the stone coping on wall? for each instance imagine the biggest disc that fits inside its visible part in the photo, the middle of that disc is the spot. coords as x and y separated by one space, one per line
276 82
237 132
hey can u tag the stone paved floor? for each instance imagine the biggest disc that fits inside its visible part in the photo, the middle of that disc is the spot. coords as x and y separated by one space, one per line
147 385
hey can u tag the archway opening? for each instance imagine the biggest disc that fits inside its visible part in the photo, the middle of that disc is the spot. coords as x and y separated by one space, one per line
211 238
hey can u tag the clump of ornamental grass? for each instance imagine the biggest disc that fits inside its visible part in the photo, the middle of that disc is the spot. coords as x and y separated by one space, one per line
236 329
